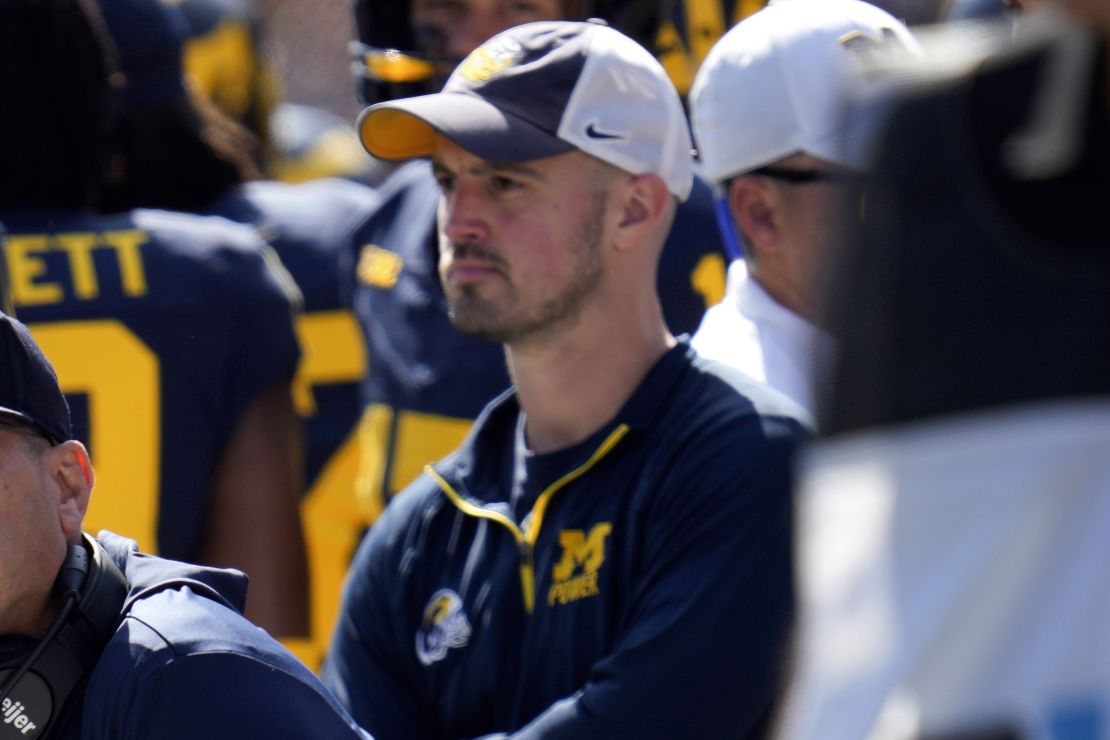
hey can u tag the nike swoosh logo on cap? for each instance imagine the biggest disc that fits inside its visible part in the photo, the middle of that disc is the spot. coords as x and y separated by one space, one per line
593 133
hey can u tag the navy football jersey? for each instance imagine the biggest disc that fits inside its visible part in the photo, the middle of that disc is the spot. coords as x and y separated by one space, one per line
313 227
427 382
163 329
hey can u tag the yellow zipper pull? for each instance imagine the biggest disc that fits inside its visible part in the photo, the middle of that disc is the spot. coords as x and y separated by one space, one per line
527 576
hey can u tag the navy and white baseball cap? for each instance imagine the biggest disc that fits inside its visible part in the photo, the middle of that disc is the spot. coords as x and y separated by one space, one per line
29 392
543 89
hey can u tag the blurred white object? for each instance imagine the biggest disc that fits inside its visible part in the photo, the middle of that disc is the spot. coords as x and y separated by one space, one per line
954 579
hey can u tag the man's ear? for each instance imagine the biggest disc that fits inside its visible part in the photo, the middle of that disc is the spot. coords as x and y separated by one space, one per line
644 201
73 475
755 208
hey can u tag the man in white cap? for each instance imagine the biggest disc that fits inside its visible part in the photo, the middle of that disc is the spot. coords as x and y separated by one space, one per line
767 111
608 553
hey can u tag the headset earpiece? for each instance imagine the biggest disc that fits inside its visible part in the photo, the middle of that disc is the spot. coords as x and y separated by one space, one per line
74 571
39 688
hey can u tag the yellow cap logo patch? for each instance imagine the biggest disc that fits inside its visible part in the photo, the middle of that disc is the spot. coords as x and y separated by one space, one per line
489 59
873 53
379 267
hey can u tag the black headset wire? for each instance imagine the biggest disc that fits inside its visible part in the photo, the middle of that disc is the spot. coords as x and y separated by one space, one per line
71 592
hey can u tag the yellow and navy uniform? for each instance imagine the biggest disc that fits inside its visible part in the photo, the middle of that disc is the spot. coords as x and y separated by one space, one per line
223 59
689 31
427 382
313 228
163 329
638 586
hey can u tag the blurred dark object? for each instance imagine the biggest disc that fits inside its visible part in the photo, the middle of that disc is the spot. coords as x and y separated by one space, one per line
912 12
980 276
964 10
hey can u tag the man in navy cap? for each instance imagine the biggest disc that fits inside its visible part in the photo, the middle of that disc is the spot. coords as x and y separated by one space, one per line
100 641
608 553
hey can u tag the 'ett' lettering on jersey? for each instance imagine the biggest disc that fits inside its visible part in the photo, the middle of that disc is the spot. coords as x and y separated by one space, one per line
42 268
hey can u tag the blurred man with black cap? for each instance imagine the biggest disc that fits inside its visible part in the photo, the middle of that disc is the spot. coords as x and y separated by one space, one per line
100 641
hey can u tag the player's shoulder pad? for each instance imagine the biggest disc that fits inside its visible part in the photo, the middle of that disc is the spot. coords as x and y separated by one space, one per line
232 255
327 198
415 175
197 234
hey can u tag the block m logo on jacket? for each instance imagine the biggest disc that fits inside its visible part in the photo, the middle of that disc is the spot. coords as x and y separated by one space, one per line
574 577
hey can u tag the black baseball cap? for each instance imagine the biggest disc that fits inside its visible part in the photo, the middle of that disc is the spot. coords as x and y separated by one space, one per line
29 391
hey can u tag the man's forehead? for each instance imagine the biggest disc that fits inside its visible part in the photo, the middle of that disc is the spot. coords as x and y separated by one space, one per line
450 156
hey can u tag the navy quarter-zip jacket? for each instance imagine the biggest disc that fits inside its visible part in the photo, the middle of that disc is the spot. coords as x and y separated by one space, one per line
640 587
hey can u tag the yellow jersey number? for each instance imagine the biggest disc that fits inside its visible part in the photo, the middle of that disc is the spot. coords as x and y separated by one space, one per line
394 454
120 376
332 352
708 279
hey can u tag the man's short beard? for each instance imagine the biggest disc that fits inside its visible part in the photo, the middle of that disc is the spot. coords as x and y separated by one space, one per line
472 317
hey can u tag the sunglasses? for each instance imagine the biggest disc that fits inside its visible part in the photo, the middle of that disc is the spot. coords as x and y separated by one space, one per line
802 177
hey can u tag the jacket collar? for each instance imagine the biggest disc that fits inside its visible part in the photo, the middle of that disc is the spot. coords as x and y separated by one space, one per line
485 455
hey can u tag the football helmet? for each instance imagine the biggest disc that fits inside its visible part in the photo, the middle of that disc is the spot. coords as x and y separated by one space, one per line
394 60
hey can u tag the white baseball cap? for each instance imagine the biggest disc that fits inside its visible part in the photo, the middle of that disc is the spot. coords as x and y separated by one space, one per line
543 89
776 84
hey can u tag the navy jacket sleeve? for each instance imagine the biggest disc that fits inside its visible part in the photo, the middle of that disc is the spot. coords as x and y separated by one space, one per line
183 701
184 663
707 632
370 665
